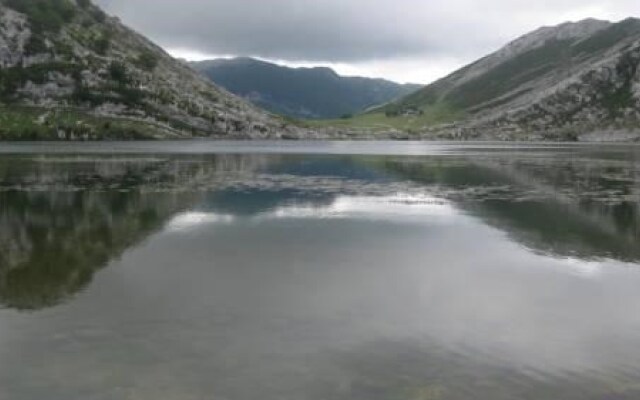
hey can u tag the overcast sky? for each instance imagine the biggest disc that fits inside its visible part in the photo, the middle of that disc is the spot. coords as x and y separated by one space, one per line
403 40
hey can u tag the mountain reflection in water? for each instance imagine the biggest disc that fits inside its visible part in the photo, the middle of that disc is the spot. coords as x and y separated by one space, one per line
497 275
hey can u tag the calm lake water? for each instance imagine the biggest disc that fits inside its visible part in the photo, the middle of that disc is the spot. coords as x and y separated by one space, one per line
243 271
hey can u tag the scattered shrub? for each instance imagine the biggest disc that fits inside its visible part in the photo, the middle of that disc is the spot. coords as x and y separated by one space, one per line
11 79
98 15
118 72
102 44
82 95
130 96
35 45
147 61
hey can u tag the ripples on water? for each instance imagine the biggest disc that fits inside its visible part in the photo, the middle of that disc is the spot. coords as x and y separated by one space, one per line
319 271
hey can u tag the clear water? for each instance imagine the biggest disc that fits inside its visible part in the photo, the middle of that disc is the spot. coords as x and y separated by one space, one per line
207 270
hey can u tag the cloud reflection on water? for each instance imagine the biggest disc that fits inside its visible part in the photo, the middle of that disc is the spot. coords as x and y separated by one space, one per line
366 207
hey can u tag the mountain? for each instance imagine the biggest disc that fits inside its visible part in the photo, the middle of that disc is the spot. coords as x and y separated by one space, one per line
301 92
69 71
573 81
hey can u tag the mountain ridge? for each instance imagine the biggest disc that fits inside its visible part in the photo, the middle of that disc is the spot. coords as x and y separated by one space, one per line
303 92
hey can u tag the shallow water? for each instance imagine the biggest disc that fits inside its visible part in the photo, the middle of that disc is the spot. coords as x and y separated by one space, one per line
208 270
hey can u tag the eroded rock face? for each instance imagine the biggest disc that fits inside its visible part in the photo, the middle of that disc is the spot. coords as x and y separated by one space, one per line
604 98
635 88
14 34
96 65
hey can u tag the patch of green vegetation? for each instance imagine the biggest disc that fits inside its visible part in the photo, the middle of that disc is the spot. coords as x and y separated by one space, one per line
45 15
64 51
122 85
618 98
36 45
114 93
122 89
129 96
11 79
511 74
101 43
147 61
439 113
26 123
502 100
425 97
118 72
444 102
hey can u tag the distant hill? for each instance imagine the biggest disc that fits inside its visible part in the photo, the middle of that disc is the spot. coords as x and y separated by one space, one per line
300 92
560 83
69 71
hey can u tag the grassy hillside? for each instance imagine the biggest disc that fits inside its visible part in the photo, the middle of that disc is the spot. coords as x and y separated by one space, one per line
499 82
437 114
35 123
510 75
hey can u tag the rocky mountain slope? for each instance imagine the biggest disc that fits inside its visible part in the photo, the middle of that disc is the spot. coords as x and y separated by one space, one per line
301 92
69 71
573 81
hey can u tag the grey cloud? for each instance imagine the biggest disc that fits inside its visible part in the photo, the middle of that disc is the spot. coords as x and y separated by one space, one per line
350 30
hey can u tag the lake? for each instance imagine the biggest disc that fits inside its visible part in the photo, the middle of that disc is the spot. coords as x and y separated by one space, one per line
330 270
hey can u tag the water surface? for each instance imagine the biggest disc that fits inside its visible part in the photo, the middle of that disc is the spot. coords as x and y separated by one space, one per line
208 270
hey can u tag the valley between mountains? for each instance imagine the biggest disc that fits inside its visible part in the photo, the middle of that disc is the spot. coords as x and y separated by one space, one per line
69 71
